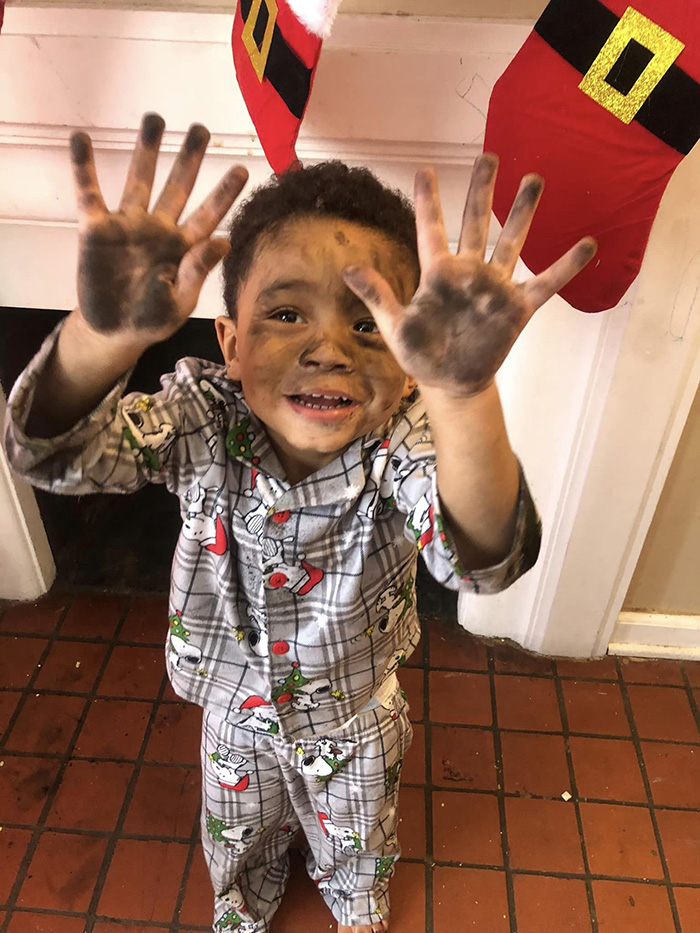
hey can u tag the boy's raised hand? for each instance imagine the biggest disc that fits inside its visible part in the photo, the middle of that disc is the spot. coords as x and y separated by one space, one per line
139 272
467 313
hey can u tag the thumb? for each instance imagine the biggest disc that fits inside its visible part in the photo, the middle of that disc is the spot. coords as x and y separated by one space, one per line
196 265
374 290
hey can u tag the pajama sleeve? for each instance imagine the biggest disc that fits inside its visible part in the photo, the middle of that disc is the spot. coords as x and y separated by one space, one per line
413 466
121 445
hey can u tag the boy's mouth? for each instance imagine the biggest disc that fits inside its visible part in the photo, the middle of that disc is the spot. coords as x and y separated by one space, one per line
322 402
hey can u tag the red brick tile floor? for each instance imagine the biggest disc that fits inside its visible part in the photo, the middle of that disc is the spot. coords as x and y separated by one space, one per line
538 795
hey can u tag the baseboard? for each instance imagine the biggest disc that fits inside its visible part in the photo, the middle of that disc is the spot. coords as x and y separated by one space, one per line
656 635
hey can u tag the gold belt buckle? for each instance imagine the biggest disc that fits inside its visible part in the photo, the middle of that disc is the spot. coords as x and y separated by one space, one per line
258 55
665 47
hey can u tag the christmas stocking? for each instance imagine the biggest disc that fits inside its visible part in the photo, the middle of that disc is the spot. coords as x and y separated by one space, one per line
276 47
603 101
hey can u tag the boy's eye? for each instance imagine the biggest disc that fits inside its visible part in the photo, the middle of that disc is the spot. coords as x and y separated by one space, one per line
366 327
287 316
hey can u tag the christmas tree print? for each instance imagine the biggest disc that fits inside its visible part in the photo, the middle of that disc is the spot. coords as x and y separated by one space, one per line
383 867
239 439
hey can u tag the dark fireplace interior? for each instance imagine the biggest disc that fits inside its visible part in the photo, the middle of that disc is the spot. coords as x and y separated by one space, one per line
125 543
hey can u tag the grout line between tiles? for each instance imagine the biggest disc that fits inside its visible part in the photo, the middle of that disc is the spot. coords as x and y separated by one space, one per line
117 833
39 826
500 783
576 802
193 841
692 697
647 788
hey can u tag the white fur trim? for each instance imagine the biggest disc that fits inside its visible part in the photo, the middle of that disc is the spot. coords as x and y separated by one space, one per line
316 15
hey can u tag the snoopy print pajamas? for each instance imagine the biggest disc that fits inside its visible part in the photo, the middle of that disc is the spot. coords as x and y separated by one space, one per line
291 610
342 789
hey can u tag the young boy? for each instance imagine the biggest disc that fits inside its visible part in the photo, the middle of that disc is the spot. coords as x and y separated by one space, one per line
310 472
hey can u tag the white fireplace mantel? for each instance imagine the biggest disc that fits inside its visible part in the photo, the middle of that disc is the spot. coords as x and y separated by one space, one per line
595 403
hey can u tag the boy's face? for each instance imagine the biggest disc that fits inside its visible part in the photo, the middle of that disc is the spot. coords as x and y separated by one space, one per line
312 363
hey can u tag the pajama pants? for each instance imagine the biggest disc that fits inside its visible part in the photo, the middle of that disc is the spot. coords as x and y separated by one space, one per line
341 788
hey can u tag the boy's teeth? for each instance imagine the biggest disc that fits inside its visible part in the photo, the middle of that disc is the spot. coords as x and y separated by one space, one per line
323 402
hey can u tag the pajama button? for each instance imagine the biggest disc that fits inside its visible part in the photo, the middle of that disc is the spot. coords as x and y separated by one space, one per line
280 647
281 517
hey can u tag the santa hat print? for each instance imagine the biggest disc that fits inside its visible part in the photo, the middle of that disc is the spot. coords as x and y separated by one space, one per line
253 702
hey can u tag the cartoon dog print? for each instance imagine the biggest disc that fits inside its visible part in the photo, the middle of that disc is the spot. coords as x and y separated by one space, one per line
258 716
301 692
257 638
228 767
180 642
393 604
327 759
300 579
237 838
149 446
397 660
420 522
234 900
207 529
345 837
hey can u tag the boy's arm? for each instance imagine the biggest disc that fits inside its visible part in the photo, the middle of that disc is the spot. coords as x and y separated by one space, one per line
80 371
453 337
478 475
140 273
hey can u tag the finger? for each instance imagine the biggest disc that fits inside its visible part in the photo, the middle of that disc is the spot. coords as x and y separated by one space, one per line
91 204
553 279
517 225
477 209
205 220
184 173
374 290
194 269
430 228
139 181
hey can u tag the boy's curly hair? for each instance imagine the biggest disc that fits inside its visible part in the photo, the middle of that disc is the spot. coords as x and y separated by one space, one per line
329 189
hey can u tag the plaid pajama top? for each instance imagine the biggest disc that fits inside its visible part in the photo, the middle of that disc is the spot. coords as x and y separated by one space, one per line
289 605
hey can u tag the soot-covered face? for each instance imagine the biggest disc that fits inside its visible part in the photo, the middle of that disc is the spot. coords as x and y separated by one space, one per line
313 366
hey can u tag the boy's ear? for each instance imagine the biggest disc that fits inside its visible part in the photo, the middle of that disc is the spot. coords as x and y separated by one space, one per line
227 335
409 387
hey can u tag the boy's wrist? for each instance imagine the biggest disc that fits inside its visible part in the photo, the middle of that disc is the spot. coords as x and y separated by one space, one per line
116 353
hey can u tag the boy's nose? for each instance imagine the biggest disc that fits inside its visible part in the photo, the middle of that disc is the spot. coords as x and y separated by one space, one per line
328 351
